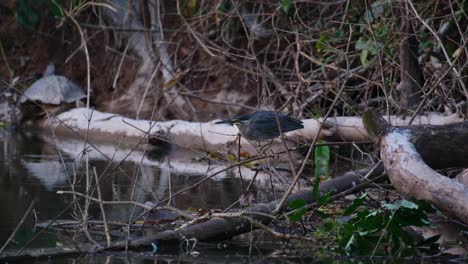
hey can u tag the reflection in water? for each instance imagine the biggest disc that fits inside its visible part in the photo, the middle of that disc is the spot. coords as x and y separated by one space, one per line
36 167
51 173
231 254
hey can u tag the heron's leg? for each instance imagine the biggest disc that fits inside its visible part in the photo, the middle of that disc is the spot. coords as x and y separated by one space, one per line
265 147
261 149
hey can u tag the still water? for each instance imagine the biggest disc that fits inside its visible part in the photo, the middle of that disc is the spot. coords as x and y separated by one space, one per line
36 165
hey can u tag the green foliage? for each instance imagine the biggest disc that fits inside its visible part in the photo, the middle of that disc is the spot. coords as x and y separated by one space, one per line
324 199
328 46
327 232
316 187
320 45
377 31
224 6
367 46
314 112
320 212
384 231
29 13
322 160
328 42
322 166
189 8
25 15
377 10
297 204
380 31
355 204
56 9
425 41
286 6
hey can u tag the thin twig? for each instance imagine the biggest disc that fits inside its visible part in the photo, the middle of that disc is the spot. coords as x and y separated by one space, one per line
103 211
309 152
12 235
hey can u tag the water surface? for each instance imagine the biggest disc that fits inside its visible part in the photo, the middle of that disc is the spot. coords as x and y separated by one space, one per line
36 166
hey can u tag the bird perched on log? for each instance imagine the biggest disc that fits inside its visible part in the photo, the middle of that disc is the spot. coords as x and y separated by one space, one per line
262 125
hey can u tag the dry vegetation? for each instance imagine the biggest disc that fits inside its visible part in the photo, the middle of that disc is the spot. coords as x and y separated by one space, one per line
197 60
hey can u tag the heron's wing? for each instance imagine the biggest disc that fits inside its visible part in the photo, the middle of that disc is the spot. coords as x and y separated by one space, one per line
262 125
290 124
260 128
287 123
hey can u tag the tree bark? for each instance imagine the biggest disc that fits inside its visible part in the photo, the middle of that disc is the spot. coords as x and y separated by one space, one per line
210 136
408 153
412 79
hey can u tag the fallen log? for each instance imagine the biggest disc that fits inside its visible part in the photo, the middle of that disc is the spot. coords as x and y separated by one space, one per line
214 229
210 136
218 229
410 155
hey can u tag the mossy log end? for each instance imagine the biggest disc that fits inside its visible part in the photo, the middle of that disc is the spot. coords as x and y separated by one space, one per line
374 124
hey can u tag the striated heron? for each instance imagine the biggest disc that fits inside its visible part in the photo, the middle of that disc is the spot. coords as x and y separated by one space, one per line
262 125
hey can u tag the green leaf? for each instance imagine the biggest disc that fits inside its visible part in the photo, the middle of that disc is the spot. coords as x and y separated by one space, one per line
403 236
345 235
56 9
316 187
370 221
324 198
429 241
340 34
381 31
361 233
328 226
321 214
320 45
391 207
363 57
376 10
286 6
25 15
426 207
296 204
189 8
360 44
401 204
297 215
356 203
348 245
322 160
370 214
408 204
371 46
224 6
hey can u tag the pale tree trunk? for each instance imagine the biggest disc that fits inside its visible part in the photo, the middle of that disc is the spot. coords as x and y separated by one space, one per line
210 136
410 155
